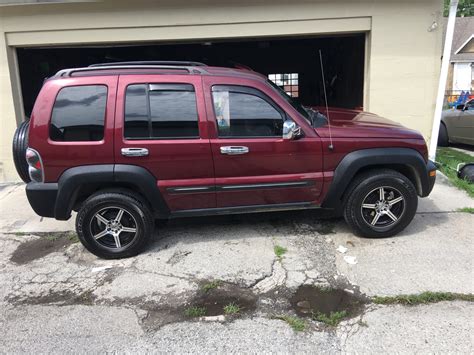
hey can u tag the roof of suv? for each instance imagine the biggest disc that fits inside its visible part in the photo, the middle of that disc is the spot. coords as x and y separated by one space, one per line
157 67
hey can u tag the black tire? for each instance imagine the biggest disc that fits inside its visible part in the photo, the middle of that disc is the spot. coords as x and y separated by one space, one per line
443 139
370 185
467 173
107 204
20 143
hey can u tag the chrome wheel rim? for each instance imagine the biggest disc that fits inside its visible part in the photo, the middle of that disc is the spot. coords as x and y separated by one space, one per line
383 207
113 228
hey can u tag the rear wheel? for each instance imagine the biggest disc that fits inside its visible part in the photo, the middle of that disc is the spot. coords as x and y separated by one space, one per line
114 225
19 146
380 203
443 140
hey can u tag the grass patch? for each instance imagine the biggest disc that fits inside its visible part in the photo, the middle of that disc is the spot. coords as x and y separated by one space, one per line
73 238
21 234
279 251
195 311
297 324
211 285
423 298
52 237
466 210
448 157
231 308
333 319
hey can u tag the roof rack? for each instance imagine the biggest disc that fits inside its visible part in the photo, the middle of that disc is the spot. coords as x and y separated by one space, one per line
151 62
192 69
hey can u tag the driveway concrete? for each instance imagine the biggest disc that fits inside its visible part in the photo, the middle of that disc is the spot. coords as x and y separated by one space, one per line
56 297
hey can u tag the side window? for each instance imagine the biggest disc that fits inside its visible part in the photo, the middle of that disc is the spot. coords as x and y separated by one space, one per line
79 114
245 113
160 111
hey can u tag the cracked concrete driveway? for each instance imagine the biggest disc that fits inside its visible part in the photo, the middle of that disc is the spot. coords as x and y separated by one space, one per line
56 297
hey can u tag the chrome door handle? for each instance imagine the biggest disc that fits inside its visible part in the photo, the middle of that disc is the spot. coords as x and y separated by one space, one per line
134 152
232 150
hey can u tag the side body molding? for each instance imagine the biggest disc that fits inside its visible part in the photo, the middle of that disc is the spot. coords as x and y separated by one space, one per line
376 157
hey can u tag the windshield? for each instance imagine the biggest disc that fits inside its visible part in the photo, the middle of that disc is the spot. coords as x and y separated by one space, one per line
296 105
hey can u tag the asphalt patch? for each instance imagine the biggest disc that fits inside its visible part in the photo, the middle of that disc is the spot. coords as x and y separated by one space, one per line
47 243
309 300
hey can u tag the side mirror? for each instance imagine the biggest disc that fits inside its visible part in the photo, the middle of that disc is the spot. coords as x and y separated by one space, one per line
460 107
290 130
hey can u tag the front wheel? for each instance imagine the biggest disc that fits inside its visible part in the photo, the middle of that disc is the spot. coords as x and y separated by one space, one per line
380 203
114 225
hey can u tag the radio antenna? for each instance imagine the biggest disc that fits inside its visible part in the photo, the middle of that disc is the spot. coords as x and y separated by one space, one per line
331 146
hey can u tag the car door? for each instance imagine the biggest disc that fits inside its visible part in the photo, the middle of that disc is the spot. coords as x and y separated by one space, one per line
464 131
253 164
161 126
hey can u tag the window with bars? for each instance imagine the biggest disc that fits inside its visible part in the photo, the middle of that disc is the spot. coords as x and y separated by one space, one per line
288 82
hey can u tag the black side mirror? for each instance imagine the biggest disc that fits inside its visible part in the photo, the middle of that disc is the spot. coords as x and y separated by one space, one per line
460 107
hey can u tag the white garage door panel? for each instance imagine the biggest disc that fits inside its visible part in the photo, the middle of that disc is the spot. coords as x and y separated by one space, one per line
143 34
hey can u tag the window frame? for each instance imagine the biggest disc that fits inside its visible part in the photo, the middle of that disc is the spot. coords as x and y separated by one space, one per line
148 109
105 114
242 89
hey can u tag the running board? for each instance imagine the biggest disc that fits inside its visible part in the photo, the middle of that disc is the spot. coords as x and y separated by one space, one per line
243 209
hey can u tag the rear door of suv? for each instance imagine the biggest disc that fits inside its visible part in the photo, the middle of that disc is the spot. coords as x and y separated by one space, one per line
161 126
253 164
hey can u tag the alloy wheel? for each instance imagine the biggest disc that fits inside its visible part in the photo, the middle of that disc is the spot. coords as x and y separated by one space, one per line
113 227
383 207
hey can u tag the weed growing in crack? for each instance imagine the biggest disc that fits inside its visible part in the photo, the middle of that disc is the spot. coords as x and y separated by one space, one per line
466 210
333 319
231 308
423 298
211 285
195 311
362 323
297 324
279 251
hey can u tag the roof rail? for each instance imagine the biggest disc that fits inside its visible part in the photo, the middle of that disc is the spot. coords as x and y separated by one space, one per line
189 69
152 62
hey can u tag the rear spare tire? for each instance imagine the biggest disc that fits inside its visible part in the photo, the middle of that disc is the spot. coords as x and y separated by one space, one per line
19 146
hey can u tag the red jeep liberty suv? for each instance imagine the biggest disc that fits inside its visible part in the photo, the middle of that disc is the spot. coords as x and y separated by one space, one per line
126 143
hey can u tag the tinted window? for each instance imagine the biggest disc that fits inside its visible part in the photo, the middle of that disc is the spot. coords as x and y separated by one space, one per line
78 114
161 111
240 114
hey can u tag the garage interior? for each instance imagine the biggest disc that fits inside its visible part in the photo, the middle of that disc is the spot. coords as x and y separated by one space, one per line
291 62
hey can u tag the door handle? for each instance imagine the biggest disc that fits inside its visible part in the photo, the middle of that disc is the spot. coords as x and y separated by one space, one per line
233 150
134 152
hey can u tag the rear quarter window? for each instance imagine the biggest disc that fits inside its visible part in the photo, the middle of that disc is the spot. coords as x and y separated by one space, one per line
79 114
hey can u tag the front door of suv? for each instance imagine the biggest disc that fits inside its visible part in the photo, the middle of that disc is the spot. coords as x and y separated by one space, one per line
161 126
253 164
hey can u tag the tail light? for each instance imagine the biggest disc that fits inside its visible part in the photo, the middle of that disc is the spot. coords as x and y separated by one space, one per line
35 164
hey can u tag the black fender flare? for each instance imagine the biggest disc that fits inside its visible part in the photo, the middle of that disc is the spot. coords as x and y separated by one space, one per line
353 162
140 179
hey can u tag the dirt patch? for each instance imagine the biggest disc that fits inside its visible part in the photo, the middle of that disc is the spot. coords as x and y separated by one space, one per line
47 243
310 300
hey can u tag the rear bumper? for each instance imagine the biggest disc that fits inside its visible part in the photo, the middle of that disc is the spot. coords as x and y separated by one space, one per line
42 198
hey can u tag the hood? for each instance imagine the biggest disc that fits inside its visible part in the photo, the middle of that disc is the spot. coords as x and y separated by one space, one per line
360 124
